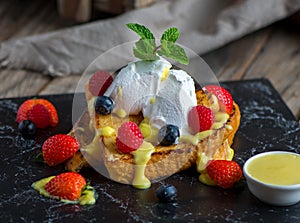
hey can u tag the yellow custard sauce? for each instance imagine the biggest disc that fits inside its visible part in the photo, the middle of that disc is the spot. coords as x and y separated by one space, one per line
276 168
88 196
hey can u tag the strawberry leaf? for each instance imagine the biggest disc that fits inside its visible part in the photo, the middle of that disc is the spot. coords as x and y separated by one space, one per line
39 158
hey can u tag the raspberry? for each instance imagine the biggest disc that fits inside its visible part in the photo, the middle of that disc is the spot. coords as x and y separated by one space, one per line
51 109
39 115
99 82
129 137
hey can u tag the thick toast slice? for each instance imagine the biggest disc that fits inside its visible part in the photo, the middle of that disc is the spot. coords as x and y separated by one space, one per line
164 161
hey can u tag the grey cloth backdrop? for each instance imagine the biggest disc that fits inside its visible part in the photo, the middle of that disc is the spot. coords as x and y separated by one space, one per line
204 26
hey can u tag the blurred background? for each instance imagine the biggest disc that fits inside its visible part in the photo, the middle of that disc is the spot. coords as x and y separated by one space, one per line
271 52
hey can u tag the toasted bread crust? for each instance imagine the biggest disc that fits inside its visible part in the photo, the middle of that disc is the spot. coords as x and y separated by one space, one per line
164 161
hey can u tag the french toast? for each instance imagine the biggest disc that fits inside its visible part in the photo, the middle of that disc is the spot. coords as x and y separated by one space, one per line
149 121
165 160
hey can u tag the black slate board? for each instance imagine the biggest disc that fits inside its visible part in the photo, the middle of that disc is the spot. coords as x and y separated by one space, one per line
266 124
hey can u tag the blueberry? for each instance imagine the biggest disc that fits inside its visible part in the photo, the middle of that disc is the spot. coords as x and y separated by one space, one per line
103 105
166 193
27 128
168 135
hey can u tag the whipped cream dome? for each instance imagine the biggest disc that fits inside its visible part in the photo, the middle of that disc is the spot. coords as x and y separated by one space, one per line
164 96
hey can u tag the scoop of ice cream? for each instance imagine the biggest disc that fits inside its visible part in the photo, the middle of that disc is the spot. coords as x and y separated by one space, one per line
172 103
164 96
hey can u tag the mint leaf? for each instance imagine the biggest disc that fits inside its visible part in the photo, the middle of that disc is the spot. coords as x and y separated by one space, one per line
141 30
170 49
145 49
170 35
174 51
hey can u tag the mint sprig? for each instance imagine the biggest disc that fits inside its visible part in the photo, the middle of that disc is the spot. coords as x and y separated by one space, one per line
170 35
141 30
146 48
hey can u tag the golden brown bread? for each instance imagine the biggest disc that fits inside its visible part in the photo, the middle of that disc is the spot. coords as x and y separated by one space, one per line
164 161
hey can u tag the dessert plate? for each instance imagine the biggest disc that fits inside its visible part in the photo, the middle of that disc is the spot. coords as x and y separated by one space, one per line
266 124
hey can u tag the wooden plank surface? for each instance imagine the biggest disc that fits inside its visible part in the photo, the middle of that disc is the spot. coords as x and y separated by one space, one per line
61 85
272 53
16 83
279 61
233 60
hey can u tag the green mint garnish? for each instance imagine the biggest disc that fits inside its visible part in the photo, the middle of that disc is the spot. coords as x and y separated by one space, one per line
141 30
170 35
174 52
146 49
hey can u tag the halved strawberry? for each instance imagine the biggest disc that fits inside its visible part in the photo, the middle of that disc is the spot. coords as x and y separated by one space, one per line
200 118
24 108
224 172
224 97
129 137
39 115
66 186
58 148
22 113
99 82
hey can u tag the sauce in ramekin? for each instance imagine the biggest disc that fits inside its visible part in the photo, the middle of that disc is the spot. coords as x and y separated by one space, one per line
276 169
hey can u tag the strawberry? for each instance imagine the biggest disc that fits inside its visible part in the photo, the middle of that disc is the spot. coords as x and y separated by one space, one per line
51 109
224 97
129 137
200 118
66 186
59 148
224 172
99 82
24 108
22 113
39 115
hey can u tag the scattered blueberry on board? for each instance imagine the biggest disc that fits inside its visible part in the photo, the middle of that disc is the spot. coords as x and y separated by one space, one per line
27 128
166 193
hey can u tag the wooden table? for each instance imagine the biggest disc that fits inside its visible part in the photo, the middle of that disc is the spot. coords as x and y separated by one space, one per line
273 53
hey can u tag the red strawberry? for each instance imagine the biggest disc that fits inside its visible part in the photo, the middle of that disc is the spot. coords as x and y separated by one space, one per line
39 115
51 109
200 118
129 137
66 186
59 148
99 82
224 172
224 97
24 108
